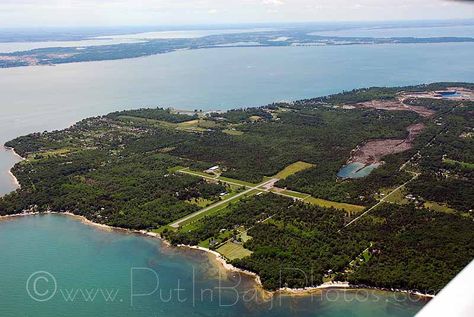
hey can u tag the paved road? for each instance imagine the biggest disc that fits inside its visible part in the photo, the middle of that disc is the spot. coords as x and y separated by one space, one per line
177 223
189 172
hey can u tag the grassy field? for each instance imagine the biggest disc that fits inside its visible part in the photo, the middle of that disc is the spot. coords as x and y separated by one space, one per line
195 173
232 132
293 169
190 123
244 236
465 165
231 181
201 202
293 194
397 197
51 153
152 122
236 181
233 251
438 207
329 204
195 125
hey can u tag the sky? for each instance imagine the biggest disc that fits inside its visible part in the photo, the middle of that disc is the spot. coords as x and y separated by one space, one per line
46 13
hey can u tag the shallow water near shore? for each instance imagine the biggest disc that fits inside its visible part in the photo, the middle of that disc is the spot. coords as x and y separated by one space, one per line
55 265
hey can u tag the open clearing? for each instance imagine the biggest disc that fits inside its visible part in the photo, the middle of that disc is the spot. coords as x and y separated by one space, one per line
328 204
233 250
438 207
205 211
232 132
395 105
261 187
374 150
293 169
397 197
465 165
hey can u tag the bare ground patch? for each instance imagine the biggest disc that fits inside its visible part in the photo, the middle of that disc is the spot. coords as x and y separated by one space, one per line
395 105
373 151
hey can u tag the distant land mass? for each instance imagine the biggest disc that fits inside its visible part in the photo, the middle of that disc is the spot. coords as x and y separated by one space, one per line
270 38
372 187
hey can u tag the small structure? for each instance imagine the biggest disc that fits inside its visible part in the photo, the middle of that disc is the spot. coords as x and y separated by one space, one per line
212 170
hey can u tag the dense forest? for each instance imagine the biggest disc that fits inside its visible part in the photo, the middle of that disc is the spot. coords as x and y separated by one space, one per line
124 169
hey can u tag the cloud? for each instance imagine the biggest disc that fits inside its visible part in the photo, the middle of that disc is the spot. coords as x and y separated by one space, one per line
156 12
273 2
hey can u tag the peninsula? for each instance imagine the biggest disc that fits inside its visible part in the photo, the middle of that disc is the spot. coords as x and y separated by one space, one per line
301 36
260 186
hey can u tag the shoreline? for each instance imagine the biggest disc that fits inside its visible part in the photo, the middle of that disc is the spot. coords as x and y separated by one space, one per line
286 291
12 176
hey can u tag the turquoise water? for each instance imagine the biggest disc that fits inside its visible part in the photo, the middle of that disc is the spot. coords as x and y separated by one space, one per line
70 258
356 170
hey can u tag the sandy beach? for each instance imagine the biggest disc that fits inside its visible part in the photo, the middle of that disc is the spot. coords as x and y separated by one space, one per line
12 176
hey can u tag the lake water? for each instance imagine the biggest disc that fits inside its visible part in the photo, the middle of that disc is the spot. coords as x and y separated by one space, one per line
438 31
356 170
54 265
45 98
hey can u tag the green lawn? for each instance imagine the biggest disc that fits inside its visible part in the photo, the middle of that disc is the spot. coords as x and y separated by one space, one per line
293 169
236 181
292 194
244 236
465 165
397 197
152 122
438 207
201 202
329 204
232 132
233 251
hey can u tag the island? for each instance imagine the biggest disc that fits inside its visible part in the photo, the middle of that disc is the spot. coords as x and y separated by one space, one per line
285 37
369 188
